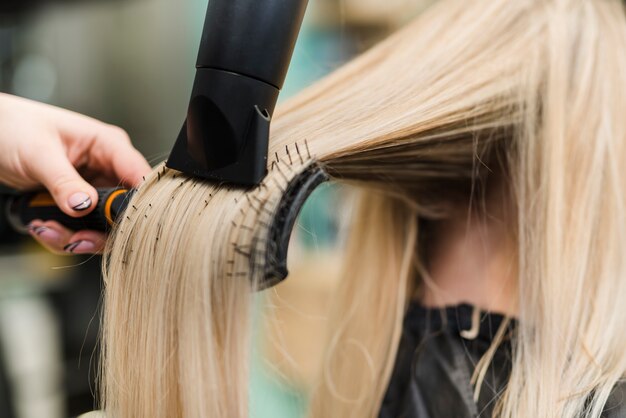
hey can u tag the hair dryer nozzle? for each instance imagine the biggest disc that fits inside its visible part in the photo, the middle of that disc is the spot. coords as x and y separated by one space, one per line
226 134
242 63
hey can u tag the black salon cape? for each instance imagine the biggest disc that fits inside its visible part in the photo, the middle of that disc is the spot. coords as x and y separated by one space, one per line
434 365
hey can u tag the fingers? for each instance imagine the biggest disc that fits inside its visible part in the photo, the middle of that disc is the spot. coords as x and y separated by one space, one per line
50 234
106 148
110 152
85 242
68 140
60 240
114 148
52 168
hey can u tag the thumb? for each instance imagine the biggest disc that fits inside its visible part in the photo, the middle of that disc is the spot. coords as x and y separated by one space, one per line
72 194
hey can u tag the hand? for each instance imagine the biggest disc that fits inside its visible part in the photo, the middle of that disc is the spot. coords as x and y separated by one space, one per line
45 145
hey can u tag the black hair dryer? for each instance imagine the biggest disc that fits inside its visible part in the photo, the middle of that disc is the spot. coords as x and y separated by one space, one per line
244 56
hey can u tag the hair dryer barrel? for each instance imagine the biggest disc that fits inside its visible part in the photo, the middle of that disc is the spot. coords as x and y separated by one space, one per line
254 38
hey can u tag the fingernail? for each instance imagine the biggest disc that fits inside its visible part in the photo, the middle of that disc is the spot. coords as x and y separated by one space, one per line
46 234
80 247
79 201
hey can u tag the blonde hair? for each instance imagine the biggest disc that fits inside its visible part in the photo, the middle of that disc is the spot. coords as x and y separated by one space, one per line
534 85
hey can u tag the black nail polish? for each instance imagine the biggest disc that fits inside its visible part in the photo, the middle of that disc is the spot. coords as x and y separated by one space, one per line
71 246
85 204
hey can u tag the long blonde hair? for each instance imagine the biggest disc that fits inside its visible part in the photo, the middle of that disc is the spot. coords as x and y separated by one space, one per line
535 84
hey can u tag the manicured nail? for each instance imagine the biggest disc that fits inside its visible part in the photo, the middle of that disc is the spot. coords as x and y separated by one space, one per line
69 248
80 247
46 234
79 201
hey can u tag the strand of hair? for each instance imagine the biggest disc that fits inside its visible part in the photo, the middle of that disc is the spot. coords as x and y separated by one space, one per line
278 185
282 174
258 212
262 203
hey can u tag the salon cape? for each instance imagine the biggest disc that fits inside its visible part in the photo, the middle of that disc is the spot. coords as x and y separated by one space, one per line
437 355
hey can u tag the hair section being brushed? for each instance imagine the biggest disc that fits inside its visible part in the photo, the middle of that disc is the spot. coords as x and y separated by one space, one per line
417 123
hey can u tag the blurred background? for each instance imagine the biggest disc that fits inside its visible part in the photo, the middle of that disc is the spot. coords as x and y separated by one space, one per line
131 63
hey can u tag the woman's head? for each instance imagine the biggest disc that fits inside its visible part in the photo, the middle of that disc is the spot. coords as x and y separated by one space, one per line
472 93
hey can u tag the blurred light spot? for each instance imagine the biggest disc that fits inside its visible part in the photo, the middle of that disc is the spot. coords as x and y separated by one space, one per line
35 77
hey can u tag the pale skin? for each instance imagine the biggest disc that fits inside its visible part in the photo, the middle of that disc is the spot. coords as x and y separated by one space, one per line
473 258
69 154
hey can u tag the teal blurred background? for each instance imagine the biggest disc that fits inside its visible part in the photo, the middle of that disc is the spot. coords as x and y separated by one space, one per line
131 63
